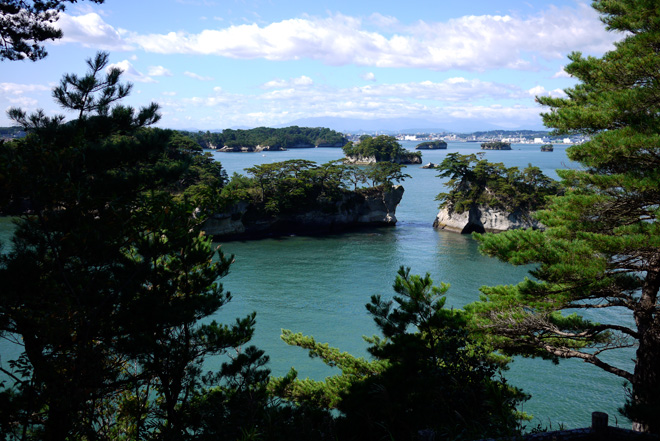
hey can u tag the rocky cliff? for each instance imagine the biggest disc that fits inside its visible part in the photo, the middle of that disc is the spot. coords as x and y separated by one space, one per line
354 210
482 219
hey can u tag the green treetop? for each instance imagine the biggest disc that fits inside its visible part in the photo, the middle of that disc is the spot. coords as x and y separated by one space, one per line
382 147
601 246
475 181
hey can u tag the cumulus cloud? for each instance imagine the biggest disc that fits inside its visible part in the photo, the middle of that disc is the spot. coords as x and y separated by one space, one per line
472 42
159 71
91 30
561 74
541 91
369 76
197 76
21 95
131 73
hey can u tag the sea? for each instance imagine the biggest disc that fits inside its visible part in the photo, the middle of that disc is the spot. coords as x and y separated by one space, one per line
319 285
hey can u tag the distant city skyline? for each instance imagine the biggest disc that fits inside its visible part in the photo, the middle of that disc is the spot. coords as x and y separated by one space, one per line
217 64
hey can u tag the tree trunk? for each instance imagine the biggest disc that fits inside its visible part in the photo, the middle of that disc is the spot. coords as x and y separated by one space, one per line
644 405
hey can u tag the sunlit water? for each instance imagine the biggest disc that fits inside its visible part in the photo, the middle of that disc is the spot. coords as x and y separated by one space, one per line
319 285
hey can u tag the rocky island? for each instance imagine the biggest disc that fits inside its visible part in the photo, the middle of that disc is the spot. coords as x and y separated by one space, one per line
489 197
301 197
382 148
496 145
547 148
432 145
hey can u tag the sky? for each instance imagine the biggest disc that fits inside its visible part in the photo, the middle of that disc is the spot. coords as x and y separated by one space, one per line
214 64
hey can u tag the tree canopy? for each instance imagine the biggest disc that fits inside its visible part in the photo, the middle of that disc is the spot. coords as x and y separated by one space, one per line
283 137
381 147
25 25
474 180
601 246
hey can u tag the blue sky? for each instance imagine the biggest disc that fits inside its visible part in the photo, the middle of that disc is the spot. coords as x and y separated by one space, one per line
213 64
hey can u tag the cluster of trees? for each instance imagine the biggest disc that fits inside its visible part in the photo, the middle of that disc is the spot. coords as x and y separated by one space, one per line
283 138
296 185
439 144
474 180
382 147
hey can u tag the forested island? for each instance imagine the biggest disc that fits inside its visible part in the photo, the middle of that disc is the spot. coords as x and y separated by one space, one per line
267 138
302 197
382 148
496 145
432 145
490 197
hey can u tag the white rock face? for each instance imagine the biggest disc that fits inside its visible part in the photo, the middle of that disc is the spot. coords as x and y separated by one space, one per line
483 219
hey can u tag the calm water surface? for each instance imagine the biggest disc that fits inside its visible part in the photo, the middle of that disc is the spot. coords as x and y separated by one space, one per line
319 285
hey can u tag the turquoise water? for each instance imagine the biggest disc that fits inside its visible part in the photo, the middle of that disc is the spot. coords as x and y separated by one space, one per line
319 285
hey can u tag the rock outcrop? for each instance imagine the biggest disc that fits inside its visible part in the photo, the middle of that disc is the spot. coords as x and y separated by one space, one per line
483 219
249 149
432 145
354 210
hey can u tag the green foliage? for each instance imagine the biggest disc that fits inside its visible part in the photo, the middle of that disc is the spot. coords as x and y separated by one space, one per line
25 25
601 245
439 144
296 185
108 278
475 181
284 137
429 374
382 147
496 145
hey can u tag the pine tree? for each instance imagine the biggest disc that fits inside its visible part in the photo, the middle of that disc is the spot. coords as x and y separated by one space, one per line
601 245
108 275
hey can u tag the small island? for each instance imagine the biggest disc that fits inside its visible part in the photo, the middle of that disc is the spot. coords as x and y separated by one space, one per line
547 148
490 197
269 139
382 148
432 145
496 145
301 197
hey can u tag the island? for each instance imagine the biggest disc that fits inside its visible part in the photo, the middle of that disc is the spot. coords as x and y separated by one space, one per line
371 150
432 145
300 197
268 139
490 197
496 145
547 148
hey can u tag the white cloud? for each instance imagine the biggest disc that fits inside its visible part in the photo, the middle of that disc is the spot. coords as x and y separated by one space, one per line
541 91
302 81
369 76
561 74
472 42
159 71
130 73
197 77
169 93
91 31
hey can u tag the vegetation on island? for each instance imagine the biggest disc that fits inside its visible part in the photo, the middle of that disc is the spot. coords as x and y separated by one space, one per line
431 145
547 148
474 181
288 137
600 250
298 185
382 147
496 145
